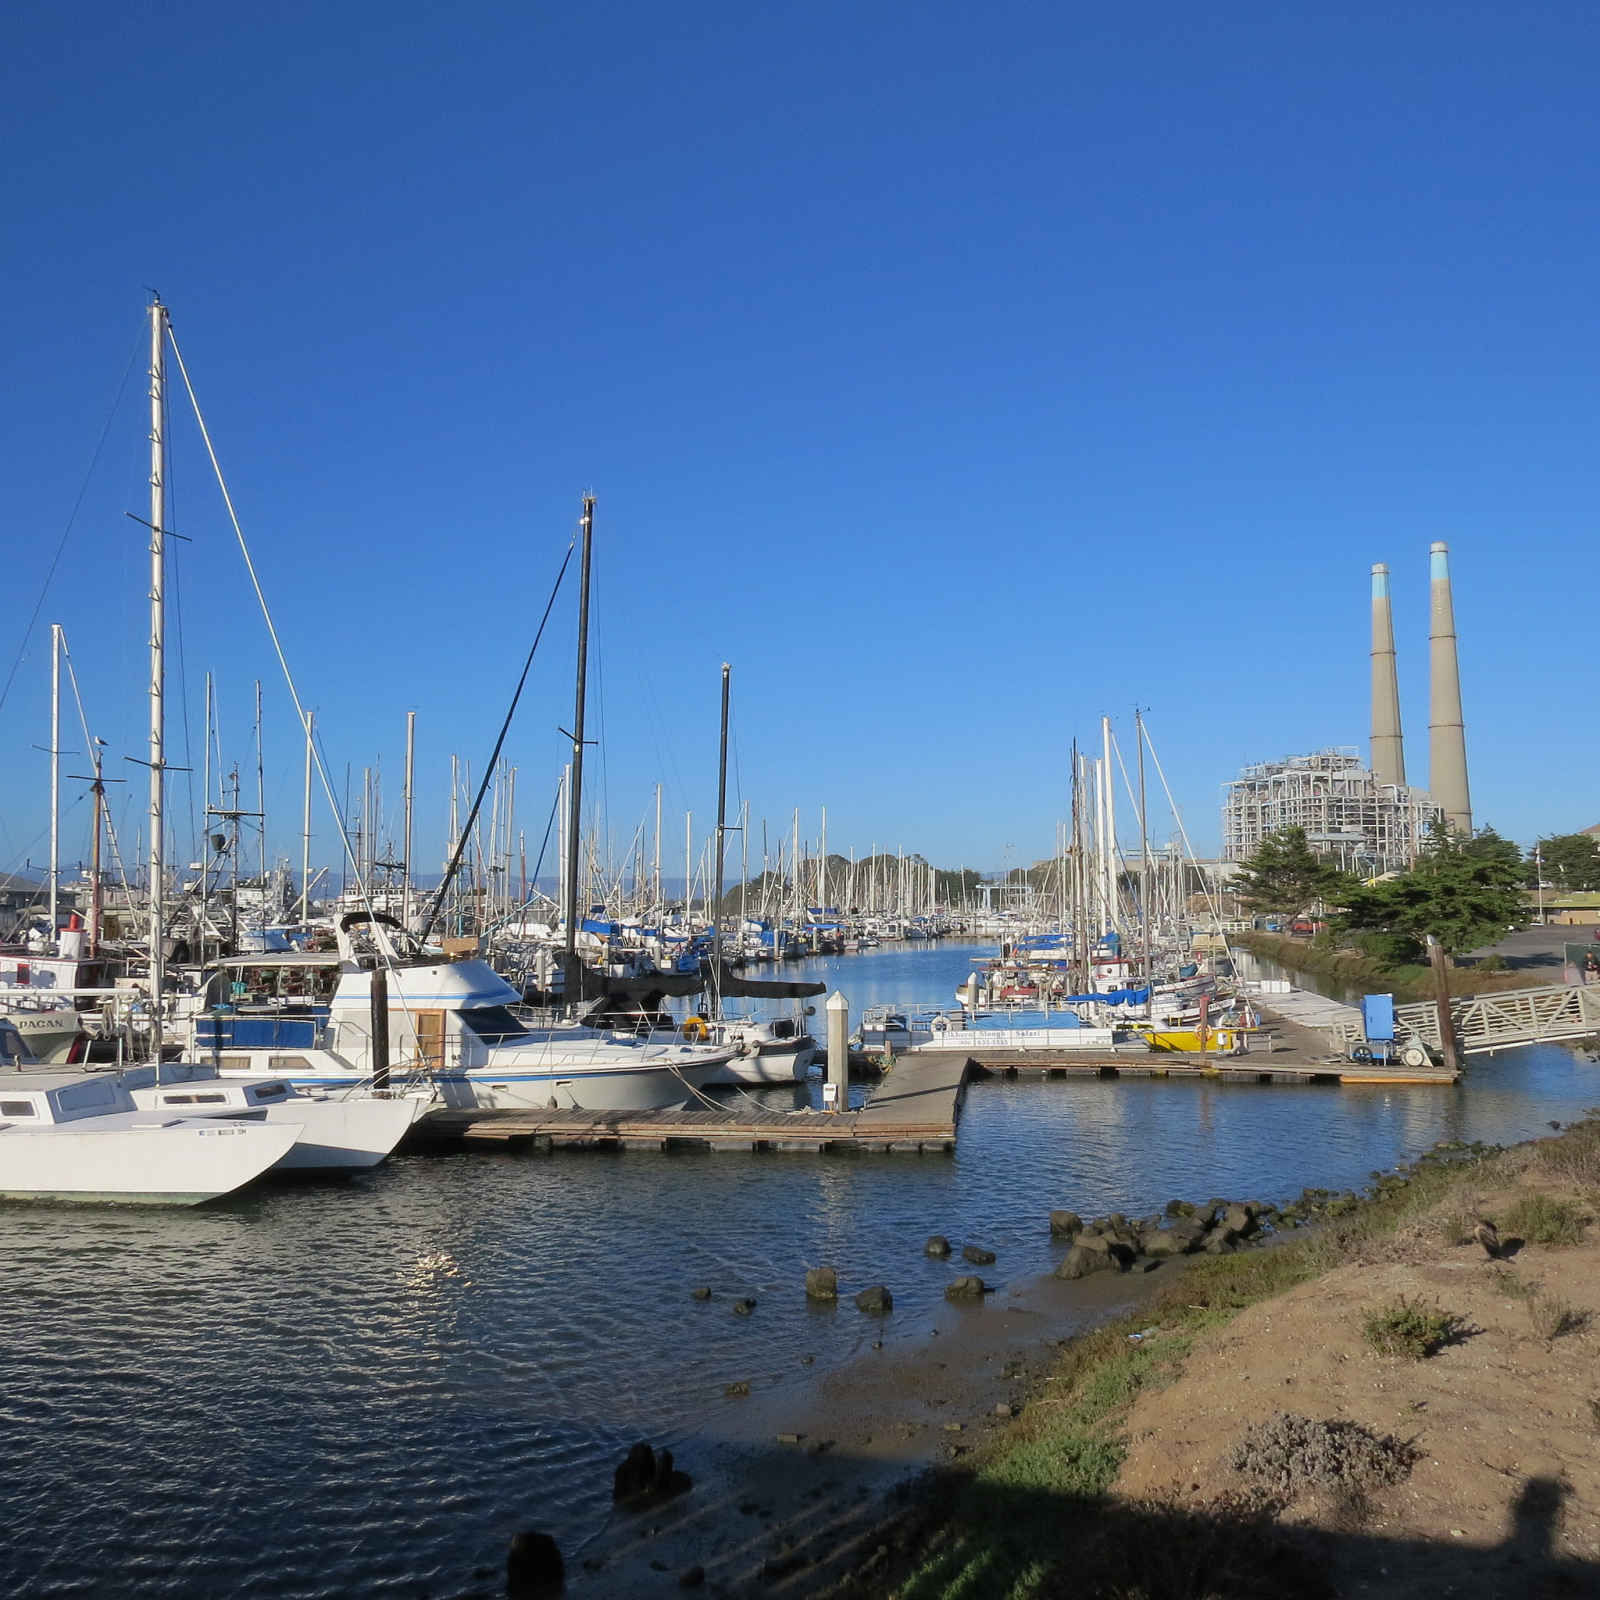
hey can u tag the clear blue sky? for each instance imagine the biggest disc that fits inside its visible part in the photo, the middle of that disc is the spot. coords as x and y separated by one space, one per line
958 373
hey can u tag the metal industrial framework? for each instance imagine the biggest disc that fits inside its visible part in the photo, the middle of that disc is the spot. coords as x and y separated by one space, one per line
1348 816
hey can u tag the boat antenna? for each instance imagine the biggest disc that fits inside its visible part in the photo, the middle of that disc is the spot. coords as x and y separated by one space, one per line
465 835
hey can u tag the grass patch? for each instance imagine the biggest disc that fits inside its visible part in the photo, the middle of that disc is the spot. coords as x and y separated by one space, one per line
1513 1287
1575 1157
1550 1317
1542 1219
1409 1329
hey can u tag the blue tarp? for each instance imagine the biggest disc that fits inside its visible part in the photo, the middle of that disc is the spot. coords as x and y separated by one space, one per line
1113 997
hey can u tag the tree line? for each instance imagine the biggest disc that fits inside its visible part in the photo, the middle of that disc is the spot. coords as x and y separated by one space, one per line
1465 891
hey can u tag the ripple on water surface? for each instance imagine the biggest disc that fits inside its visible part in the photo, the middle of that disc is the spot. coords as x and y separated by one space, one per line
368 1387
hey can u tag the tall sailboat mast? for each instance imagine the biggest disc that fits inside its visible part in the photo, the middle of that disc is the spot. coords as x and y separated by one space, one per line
158 632
722 844
575 789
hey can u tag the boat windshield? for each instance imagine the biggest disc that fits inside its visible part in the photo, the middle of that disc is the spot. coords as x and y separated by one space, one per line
493 1023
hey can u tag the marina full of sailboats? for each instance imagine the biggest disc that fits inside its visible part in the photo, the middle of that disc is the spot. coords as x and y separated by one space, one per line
175 1041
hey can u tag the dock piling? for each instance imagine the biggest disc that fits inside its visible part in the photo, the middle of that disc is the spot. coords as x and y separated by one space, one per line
838 1009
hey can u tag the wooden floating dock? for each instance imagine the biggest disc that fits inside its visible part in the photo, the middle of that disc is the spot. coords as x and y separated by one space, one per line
914 1110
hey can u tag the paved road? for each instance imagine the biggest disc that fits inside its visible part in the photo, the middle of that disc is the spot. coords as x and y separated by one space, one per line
1538 951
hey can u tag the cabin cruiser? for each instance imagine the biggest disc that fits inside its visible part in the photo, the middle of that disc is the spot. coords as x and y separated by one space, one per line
308 1018
80 1136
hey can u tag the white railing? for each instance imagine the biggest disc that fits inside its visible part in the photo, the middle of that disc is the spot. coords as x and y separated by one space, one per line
1492 1021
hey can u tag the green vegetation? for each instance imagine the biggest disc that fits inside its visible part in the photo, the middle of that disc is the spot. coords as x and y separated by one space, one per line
1465 892
1541 1219
1408 1328
1568 861
1286 876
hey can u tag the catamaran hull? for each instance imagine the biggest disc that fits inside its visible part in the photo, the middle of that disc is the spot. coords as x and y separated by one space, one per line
171 1165
345 1135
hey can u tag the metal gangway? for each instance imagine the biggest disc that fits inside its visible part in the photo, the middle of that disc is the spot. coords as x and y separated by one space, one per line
1496 1021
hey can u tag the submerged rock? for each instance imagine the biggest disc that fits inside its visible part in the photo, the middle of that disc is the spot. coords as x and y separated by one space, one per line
534 1567
647 1475
1065 1224
822 1283
977 1255
965 1288
743 1308
876 1301
1079 1262
937 1245
703 1292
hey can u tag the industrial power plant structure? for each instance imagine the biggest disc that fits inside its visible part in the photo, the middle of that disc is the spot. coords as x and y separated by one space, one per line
1369 821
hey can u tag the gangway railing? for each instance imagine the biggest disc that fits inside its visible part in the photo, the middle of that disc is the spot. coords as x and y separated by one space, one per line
1495 1021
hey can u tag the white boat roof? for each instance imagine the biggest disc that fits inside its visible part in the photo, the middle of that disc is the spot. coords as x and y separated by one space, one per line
47 1081
281 958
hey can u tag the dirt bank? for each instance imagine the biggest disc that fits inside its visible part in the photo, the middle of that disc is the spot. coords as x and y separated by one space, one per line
1135 1470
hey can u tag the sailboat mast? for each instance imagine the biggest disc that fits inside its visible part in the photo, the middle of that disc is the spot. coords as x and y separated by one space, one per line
305 828
575 791
722 816
1144 851
411 772
158 667
55 785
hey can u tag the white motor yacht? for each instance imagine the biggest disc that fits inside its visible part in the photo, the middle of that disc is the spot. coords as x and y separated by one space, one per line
79 1136
457 1024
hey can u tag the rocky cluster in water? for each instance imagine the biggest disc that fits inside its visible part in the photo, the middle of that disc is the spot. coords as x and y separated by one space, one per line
1114 1243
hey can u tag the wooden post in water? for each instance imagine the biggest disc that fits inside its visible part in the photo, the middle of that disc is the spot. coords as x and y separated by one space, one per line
838 1009
1447 1022
380 1029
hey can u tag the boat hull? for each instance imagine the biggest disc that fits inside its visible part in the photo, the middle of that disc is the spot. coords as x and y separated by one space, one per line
167 1164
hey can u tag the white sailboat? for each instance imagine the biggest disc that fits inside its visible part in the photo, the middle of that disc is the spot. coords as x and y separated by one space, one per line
78 1136
81 1136
346 1131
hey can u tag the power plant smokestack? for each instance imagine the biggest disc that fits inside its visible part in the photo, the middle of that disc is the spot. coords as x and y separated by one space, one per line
1388 753
1447 734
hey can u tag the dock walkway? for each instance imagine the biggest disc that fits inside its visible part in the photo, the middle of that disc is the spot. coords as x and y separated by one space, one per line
914 1110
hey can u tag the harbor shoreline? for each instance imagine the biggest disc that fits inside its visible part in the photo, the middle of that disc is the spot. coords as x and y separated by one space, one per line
852 1486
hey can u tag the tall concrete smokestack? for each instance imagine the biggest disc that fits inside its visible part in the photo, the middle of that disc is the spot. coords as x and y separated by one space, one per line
1388 754
1447 734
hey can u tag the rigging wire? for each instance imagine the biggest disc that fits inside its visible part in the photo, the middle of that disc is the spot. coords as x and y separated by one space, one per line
505 728
72 517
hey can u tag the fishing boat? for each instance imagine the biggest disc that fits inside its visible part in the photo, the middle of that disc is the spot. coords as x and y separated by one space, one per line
80 1137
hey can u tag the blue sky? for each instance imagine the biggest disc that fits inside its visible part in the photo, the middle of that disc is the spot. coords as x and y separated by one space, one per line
959 374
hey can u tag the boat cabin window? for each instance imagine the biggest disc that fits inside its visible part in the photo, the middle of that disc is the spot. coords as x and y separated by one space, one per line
17 1108
493 1022
195 1099
271 1091
287 1064
177 1099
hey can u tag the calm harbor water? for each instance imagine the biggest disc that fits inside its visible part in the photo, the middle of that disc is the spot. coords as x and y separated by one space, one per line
367 1387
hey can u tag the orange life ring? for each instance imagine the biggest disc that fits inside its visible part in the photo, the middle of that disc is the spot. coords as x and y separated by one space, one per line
695 1029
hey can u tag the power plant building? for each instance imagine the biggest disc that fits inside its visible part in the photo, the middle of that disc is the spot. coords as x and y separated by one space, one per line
1369 822
1349 817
